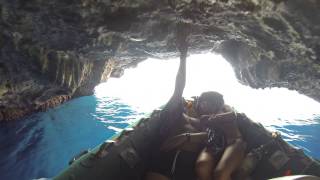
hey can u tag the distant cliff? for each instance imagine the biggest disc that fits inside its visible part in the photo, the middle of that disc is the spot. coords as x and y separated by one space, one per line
52 51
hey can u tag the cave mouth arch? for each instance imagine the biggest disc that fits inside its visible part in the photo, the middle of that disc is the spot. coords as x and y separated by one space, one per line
150 84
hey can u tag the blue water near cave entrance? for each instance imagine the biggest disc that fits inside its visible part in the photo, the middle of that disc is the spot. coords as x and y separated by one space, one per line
42 144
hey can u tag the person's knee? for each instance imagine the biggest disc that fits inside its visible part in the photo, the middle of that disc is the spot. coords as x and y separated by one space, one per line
241 143
155 176
204 169
220 174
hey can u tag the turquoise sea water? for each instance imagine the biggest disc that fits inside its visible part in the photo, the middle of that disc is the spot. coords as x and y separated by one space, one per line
42 144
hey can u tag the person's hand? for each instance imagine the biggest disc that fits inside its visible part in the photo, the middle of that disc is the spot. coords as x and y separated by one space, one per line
174 142
190 119
200 137
215 118
205 117
229 116
186 117
182 35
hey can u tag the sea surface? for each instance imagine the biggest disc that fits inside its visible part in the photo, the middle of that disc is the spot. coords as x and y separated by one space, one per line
42 144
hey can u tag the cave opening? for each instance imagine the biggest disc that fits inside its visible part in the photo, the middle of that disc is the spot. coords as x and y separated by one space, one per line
151 83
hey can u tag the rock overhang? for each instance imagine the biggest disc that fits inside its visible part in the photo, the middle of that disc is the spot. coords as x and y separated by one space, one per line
52 51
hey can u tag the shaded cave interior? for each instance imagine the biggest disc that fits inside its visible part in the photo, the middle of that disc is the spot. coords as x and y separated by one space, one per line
58 50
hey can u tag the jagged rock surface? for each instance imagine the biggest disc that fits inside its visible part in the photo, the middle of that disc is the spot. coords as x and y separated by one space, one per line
52 51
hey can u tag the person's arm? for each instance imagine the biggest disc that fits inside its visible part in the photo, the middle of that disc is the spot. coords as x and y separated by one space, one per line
179 140
172 112
181 76
223 117
196 122
171 115
176 99
180 83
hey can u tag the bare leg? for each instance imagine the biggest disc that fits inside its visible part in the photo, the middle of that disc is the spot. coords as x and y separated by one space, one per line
205 165
155 176
230 160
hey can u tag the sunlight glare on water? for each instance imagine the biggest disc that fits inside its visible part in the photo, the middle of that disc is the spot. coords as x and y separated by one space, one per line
152 82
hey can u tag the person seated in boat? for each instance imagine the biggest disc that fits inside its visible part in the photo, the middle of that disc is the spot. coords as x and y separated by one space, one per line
165 165
166 160
180 153
225 147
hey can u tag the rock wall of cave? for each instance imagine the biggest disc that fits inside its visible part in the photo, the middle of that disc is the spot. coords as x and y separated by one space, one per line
52 51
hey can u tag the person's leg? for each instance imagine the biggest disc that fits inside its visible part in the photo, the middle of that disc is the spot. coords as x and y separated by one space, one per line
205 165
230 160
155 176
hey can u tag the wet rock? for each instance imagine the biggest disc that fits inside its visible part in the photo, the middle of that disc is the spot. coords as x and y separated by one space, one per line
13 113
51 51
117 73
1 116
42 105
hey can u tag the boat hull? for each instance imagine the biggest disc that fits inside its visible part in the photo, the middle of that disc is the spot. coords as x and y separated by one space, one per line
127 155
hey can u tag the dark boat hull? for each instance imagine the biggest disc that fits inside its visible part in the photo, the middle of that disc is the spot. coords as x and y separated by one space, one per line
128 156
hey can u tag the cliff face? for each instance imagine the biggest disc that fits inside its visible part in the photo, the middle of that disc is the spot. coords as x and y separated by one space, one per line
52 51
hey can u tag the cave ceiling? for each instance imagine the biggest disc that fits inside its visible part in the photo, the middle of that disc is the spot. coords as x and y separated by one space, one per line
52 51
